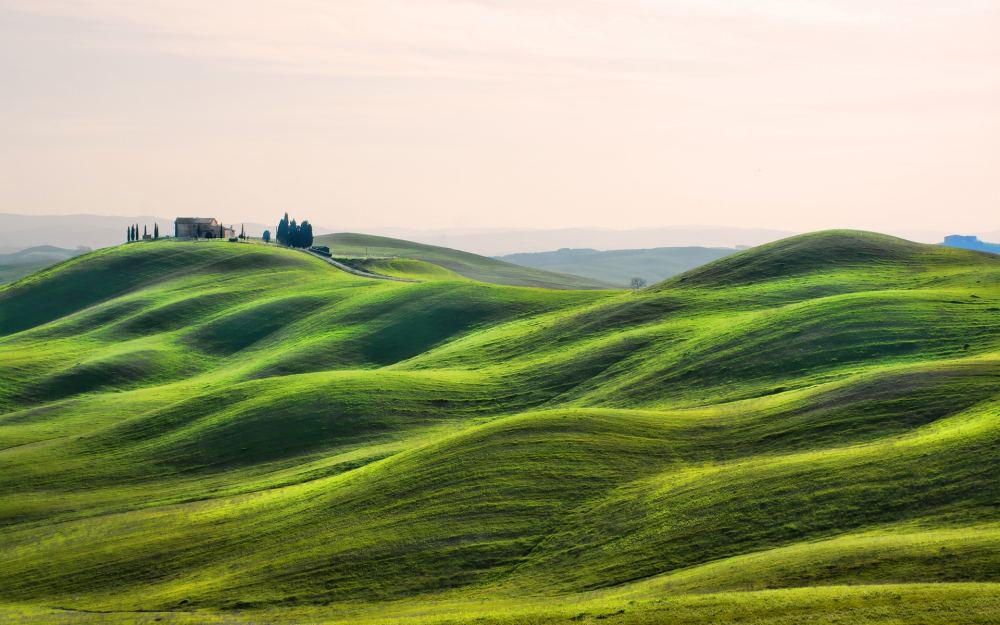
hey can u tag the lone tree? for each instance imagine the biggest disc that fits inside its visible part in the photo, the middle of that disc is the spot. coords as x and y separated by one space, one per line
266 237
156 231
637 283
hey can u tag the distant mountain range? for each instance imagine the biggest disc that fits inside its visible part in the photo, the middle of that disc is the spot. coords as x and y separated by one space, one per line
69 231
41 253
504 242
619 266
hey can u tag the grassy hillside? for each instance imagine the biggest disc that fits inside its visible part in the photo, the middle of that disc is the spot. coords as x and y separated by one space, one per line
40 253
804 432
620 266
11 273
469 265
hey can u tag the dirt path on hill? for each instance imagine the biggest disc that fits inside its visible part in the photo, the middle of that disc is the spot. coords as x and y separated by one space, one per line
357 272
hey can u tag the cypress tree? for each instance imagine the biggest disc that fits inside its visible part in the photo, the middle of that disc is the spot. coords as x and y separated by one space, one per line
291 233
156 231
281 235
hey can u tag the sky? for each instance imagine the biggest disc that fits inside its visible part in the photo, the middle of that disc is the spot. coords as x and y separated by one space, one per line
796 115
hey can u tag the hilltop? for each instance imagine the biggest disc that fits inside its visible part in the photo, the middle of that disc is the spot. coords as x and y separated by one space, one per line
210 432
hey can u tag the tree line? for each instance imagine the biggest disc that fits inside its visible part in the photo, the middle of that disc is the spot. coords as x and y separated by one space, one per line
133 232
292 234
289 233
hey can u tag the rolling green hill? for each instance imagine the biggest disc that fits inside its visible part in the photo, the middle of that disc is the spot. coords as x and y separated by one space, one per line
469 265
620 266
11 273
229 433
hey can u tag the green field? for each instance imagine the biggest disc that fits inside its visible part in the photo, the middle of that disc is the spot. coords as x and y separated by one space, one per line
209 432
11 273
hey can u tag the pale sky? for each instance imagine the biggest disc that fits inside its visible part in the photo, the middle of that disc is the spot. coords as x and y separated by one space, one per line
788 114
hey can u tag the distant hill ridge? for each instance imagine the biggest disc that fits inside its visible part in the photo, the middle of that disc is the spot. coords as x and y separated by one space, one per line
17 265
40 253
619 266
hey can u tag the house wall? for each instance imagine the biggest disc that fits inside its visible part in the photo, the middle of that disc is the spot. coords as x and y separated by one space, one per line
197 231
186 230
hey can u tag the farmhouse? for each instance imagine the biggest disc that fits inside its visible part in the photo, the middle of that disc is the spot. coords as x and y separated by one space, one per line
201 228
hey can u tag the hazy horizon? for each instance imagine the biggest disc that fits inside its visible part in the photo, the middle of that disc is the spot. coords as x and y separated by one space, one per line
429 114
23 231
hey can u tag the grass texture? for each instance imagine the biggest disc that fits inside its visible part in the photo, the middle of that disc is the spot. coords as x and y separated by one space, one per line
233 433
14 272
